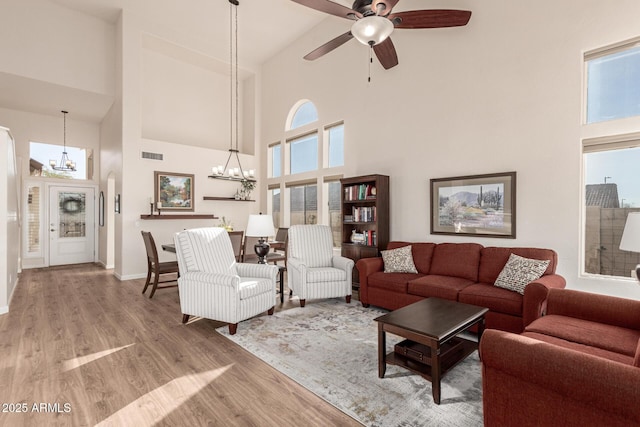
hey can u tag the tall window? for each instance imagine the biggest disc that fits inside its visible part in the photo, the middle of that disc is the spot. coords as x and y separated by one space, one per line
611 157
305 171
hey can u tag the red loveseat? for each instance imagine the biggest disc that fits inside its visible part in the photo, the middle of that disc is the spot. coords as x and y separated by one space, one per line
579 365
463 272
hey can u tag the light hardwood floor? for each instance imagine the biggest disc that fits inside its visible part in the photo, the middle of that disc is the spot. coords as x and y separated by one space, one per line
78 338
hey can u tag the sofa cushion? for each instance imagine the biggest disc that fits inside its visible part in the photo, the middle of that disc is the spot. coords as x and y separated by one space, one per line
446 287
594 334
396 282
636 359
398 260
495 299
493 260
519 272
456 260
582 348
422 254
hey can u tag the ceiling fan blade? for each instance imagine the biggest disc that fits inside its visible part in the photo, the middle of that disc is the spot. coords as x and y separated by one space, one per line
388 5
386 54
329 7
435 18
329 46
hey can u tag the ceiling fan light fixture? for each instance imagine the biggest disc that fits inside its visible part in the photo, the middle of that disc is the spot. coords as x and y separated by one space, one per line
372 30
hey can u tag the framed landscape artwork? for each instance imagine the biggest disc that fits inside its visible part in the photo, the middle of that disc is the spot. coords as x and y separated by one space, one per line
174 191
477 205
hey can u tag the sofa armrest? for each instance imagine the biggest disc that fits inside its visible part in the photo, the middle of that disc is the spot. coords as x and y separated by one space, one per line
535 296
595 307
524 379
366 267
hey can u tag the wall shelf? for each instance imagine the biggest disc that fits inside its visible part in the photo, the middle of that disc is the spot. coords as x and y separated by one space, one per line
180 216
226 199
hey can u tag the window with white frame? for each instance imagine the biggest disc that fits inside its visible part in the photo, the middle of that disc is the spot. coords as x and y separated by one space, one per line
610 157
307 189
275 158
303 153
42 156
335 145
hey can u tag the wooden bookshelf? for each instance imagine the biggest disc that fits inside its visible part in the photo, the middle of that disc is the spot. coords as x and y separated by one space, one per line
365 211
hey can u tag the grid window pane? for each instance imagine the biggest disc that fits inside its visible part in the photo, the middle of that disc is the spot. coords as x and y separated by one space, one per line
611 193
306 113
276 161
42 154
304 154
336 146
304 204
335 212
613 86
275 206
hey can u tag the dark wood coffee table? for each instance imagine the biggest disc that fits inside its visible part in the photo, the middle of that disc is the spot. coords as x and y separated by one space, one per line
431 327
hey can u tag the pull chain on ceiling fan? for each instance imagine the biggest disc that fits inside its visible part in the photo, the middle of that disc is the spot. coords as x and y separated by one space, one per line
374 23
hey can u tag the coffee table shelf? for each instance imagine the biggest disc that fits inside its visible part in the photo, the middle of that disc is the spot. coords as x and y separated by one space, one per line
450 357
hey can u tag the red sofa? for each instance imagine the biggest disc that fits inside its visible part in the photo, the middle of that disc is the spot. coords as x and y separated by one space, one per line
579 365
462 272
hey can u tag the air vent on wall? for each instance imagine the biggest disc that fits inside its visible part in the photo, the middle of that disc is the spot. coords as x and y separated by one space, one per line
152 156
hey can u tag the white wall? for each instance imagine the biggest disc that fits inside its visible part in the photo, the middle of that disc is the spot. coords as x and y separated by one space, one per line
9 218
501 94
140 118
47 42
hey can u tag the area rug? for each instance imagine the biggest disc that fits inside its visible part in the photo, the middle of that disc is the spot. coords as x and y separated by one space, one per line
330 348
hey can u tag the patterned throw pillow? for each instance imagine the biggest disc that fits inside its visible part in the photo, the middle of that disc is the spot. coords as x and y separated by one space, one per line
399 260
518 272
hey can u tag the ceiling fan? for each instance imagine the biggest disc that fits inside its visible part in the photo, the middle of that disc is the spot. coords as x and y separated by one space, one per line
374 23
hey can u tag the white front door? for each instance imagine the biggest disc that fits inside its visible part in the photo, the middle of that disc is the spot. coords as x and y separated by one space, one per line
71 225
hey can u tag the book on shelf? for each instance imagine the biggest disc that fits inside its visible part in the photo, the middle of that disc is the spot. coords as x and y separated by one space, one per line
363 213
360 192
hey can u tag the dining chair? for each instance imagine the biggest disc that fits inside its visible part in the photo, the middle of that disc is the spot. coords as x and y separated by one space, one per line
155 268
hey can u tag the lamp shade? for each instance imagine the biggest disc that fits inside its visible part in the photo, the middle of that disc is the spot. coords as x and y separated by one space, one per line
260 226
631 234
372 30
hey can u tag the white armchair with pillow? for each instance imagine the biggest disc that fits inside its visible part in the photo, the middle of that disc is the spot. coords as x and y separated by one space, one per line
313 271
213 285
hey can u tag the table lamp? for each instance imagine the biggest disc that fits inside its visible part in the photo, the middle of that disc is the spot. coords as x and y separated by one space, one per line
631 236
260 226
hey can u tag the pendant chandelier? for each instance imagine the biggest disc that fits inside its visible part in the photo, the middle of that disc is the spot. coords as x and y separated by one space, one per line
233 173
66 164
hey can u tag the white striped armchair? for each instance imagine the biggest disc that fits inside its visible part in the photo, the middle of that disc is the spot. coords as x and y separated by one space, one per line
313 271
213 285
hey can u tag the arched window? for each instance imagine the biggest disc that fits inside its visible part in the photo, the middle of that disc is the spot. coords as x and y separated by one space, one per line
304 112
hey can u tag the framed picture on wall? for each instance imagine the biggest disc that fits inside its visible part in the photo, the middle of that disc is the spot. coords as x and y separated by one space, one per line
476 205
174 191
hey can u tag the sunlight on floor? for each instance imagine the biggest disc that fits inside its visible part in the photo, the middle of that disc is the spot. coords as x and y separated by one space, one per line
83 360
157 404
